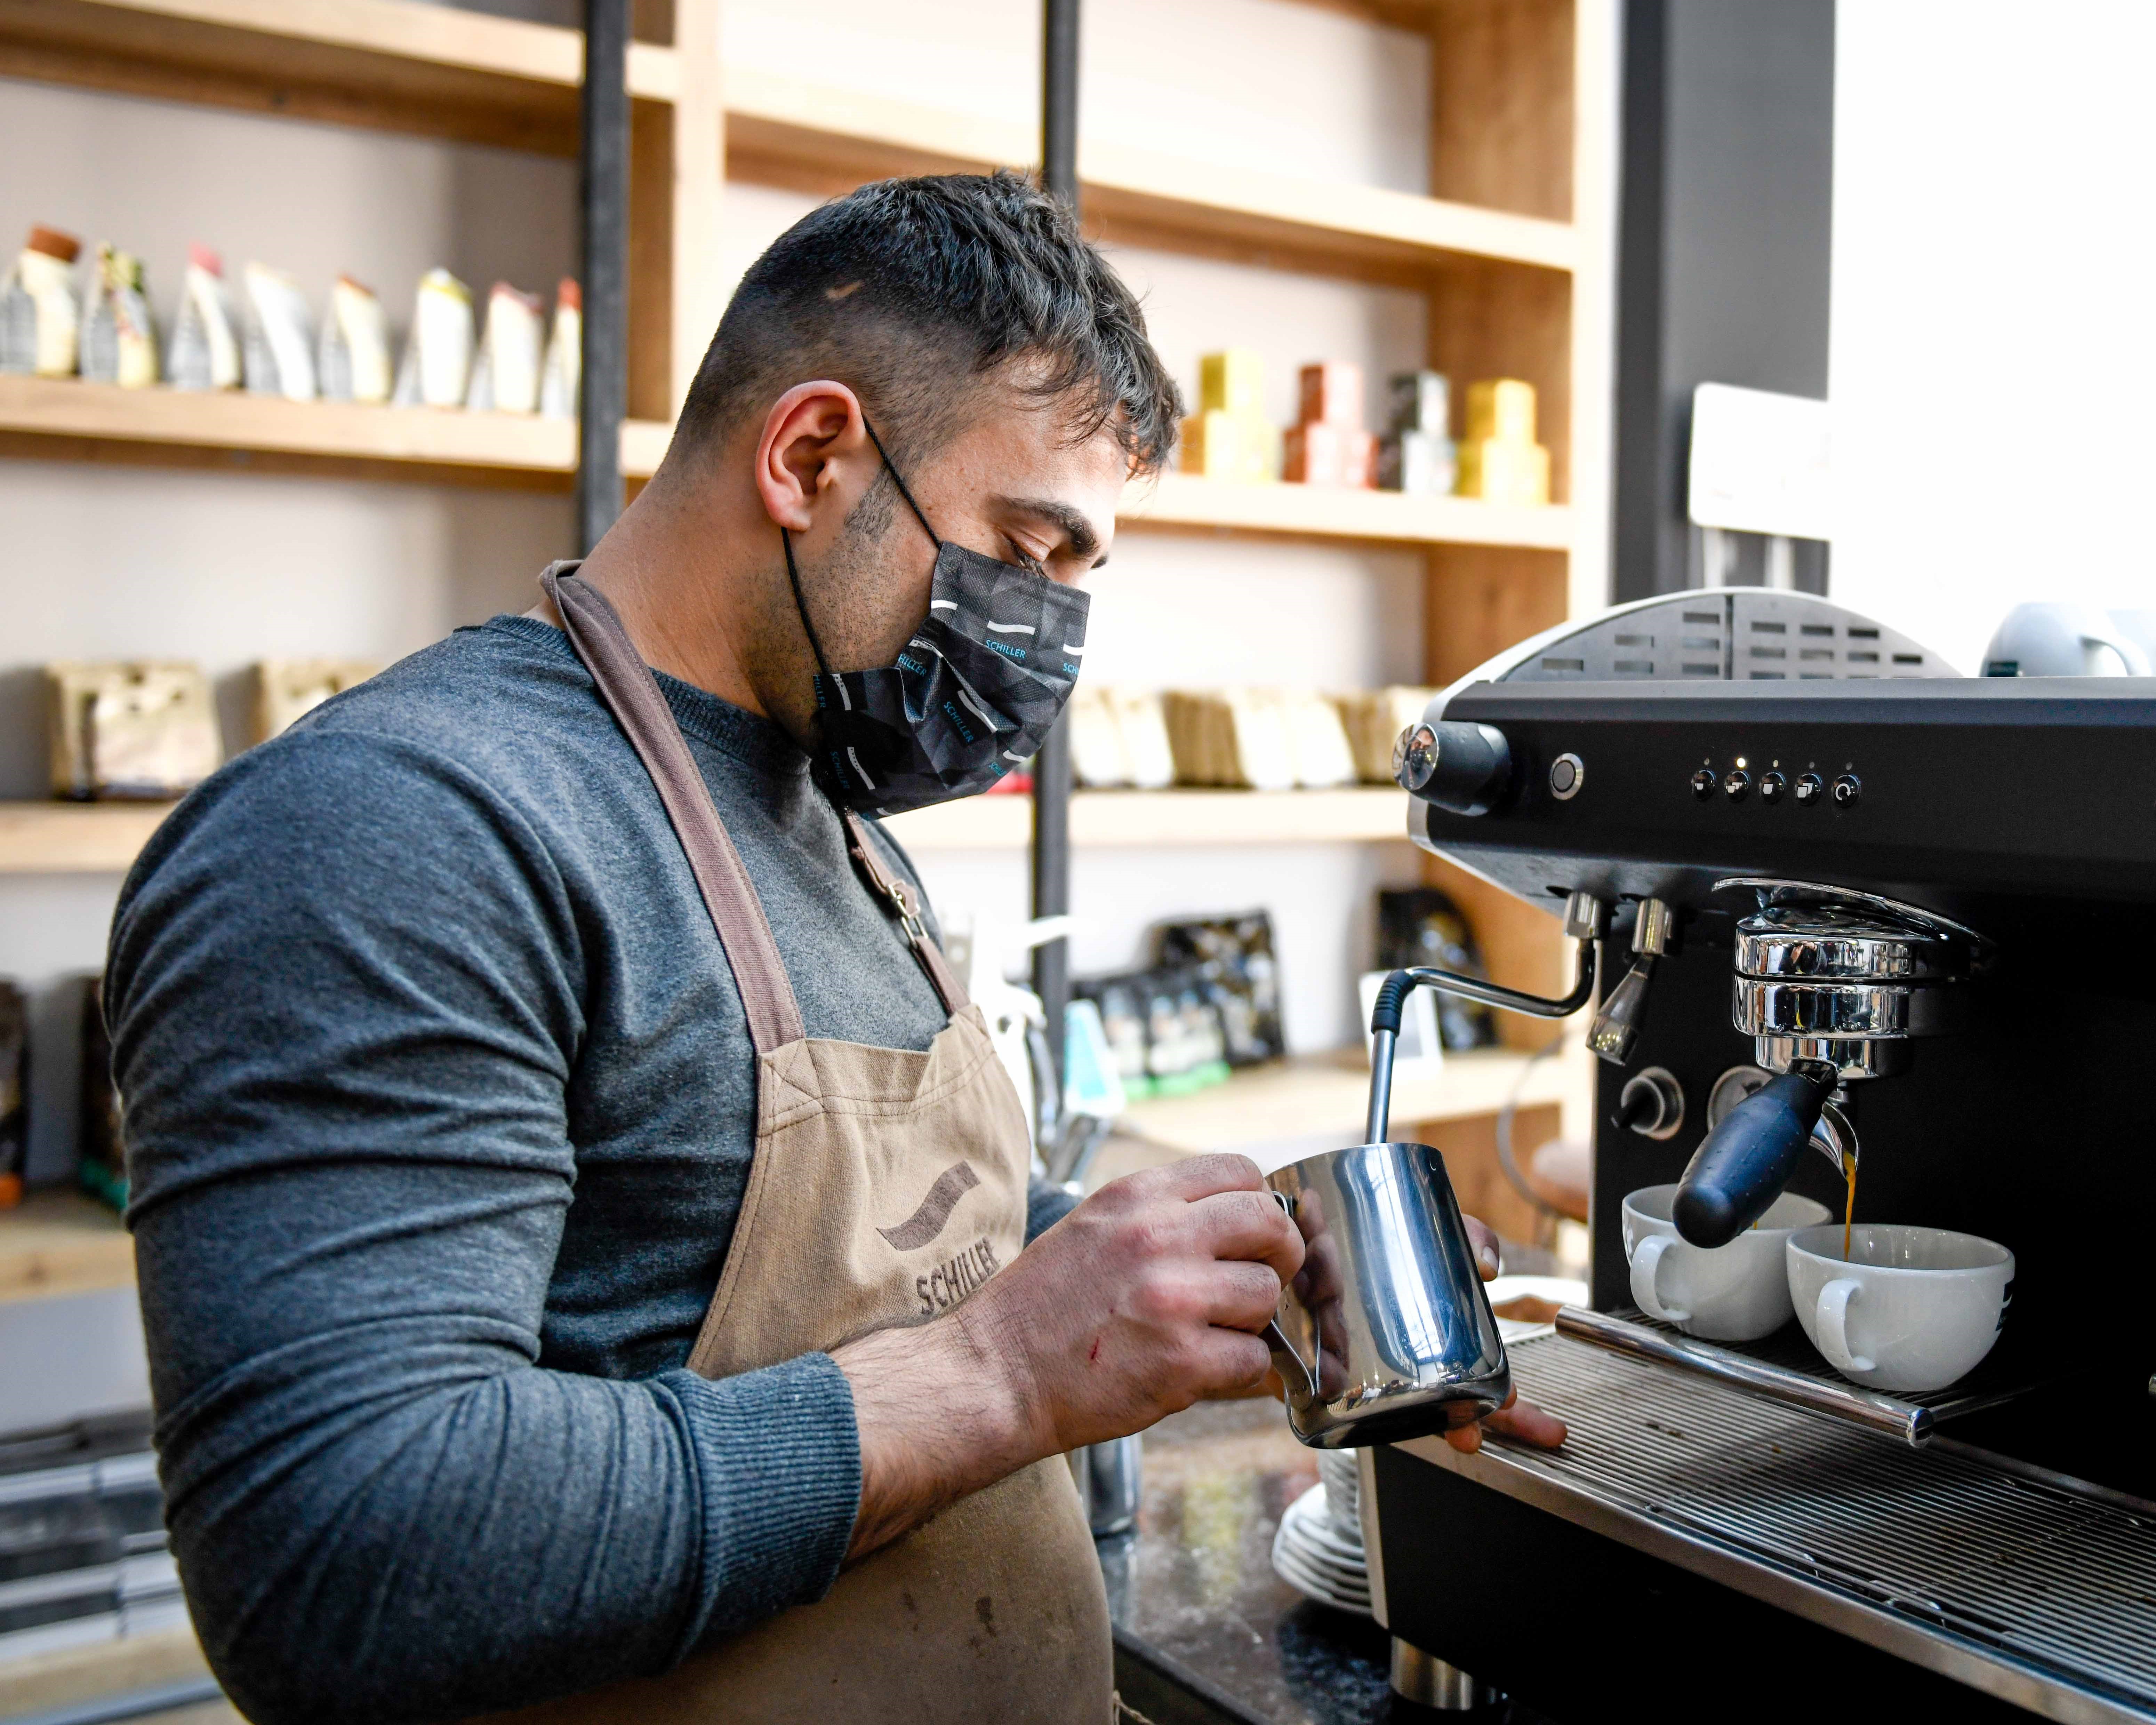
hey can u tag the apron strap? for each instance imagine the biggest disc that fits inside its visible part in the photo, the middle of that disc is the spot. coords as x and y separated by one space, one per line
626 684
894 892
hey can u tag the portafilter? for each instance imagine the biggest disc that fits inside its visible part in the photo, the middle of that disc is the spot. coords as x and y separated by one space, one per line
1832 985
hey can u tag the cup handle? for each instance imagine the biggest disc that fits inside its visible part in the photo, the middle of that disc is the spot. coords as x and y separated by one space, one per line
1647 1292
1833 1312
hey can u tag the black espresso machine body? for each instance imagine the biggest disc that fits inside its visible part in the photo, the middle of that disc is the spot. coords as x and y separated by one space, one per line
1989 1550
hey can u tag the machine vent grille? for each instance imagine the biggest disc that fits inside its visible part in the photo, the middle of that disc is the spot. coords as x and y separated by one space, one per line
1951 1543
1733 634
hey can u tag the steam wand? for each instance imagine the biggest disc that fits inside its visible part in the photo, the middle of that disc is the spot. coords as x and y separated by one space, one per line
1586 919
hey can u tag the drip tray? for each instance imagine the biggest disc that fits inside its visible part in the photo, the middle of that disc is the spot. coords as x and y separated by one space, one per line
2041 1591
1784 1368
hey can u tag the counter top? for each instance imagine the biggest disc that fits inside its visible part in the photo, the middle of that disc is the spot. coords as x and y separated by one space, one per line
1193 1585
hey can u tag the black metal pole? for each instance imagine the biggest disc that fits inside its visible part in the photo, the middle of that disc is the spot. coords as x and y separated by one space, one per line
1051 767
602 198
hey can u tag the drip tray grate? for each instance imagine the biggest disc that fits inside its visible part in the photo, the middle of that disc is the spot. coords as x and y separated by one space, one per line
2057 1583
1784 1368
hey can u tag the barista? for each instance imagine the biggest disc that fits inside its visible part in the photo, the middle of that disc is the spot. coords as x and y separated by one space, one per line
583 1227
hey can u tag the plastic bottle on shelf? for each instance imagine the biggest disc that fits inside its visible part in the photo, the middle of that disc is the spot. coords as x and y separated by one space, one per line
277 357
118 342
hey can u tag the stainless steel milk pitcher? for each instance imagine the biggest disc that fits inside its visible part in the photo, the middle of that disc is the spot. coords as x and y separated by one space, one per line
1385 1333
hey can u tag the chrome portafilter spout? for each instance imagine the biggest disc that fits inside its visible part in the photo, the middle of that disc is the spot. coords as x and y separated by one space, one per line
1831 985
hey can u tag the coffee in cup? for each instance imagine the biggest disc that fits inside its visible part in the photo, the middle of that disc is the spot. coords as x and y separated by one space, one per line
1909 1309
1737 1293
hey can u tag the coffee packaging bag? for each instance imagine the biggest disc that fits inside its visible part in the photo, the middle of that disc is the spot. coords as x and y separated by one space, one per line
40 316
204 353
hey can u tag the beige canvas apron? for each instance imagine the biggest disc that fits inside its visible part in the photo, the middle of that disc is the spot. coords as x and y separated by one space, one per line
886 1185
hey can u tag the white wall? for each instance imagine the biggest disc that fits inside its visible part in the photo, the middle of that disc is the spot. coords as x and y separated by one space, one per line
1993 346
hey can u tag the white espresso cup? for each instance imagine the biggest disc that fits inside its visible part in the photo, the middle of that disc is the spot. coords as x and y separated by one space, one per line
1737 1293
1909 1309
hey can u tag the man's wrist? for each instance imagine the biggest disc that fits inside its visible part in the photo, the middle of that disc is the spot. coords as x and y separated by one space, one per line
942 1409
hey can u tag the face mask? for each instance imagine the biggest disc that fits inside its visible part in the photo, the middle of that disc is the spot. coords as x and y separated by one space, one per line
973 694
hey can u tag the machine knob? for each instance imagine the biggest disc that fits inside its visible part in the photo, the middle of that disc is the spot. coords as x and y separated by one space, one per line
1462 768
1746 1161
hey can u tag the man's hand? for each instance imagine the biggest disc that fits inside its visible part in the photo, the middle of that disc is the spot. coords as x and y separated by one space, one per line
1516 1418
1146 1298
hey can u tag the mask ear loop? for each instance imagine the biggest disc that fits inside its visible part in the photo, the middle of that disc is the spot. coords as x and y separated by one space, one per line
888 468
801 607
794 574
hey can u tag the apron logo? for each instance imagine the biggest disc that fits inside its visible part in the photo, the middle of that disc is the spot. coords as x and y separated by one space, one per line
950 1282
925 1224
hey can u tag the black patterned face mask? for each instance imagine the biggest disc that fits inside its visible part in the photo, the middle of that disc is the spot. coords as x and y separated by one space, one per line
973 693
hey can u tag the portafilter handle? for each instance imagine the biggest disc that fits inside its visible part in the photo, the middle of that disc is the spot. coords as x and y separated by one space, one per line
1746 1161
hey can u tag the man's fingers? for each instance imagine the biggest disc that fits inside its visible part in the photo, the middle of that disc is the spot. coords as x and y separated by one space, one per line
1486 1247
1528 1423
1230 1360
1250 1226
1245 1296
1202 1176
1466 1439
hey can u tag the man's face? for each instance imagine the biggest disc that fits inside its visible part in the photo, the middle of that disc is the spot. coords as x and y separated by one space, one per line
1012 486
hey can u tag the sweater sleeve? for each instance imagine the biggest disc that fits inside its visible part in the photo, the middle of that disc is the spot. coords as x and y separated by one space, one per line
345 989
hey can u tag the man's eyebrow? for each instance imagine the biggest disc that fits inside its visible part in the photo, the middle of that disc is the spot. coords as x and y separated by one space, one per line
1073 523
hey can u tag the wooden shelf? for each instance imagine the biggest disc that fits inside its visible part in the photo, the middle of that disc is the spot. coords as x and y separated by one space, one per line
791 129
64 418
92 838
407 66
75 838
1143 819
60 1242
1312 1094
396 65
1324 511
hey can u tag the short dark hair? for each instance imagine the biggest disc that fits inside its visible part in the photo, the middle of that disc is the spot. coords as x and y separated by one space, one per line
903 287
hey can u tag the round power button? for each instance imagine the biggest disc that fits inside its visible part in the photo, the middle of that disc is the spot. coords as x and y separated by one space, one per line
1847 790
1567 774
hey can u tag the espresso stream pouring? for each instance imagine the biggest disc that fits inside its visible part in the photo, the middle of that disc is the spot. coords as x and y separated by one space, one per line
1385 1333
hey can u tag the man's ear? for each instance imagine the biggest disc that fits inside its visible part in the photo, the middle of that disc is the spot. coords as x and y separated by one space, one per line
812 437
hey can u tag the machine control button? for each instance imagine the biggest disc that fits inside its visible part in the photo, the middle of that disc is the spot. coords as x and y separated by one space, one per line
1847 790
1808 786
1703 783
1771 787
1736 785
1567 774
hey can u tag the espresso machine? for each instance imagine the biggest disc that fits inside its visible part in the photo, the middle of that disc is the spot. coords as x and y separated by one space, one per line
1861 915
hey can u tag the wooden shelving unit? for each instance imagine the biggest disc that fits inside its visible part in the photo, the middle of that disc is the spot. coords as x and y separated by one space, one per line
403 65
1511 250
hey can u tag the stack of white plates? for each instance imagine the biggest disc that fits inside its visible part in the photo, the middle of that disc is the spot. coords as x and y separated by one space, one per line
1318 1550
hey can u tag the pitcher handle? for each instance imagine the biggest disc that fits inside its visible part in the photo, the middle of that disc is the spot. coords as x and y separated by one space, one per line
1274 1337
1283 1350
